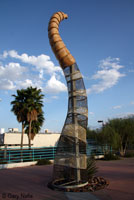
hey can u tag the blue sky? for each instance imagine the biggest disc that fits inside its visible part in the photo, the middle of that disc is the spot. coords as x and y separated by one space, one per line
98 33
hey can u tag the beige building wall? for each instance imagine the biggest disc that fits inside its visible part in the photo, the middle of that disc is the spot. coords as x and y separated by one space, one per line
40 140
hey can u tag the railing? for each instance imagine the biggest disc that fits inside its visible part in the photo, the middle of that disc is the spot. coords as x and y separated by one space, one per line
25 155
12 155
95 149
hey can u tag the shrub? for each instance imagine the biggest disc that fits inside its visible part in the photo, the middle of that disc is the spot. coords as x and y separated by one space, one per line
110 156
3 162
91 167
129 154
44 162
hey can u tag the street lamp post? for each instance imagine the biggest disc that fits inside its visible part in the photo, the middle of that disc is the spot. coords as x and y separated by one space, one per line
101 121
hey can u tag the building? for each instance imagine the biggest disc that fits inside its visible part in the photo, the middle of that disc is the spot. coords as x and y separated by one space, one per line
40 139
2 130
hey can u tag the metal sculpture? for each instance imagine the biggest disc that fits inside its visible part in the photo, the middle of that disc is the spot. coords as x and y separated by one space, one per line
70 160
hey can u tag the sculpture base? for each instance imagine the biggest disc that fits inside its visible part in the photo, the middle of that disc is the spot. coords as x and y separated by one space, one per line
62 184
95 183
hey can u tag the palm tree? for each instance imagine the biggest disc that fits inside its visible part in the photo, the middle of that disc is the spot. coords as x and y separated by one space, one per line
34 101
35 125
27 106
19 109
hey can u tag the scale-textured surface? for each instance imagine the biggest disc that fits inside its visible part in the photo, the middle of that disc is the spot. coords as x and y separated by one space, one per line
70 161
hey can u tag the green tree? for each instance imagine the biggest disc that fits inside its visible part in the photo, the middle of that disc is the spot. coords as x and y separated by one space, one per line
91 134
35 126
34 101
27 106
119 133
19 109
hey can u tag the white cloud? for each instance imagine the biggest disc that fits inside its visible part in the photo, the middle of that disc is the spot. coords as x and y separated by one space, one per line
15 76
24 84
86 77
6 84
132 102
55 97
125 115
108 76
117 107
42 62
55 86
91 113
5 54
41 74
11 71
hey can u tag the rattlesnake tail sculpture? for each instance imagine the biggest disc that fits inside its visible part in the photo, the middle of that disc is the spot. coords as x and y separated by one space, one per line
70 158
58 46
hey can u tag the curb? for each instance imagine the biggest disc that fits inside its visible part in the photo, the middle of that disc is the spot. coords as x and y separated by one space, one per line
22 164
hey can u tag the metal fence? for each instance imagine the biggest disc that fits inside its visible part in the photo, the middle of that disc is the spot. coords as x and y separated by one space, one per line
25 155
16 155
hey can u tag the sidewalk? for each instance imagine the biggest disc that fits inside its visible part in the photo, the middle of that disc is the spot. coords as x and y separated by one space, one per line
120 173
30 183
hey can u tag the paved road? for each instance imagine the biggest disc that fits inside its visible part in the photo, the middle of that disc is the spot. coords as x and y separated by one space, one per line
30 183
